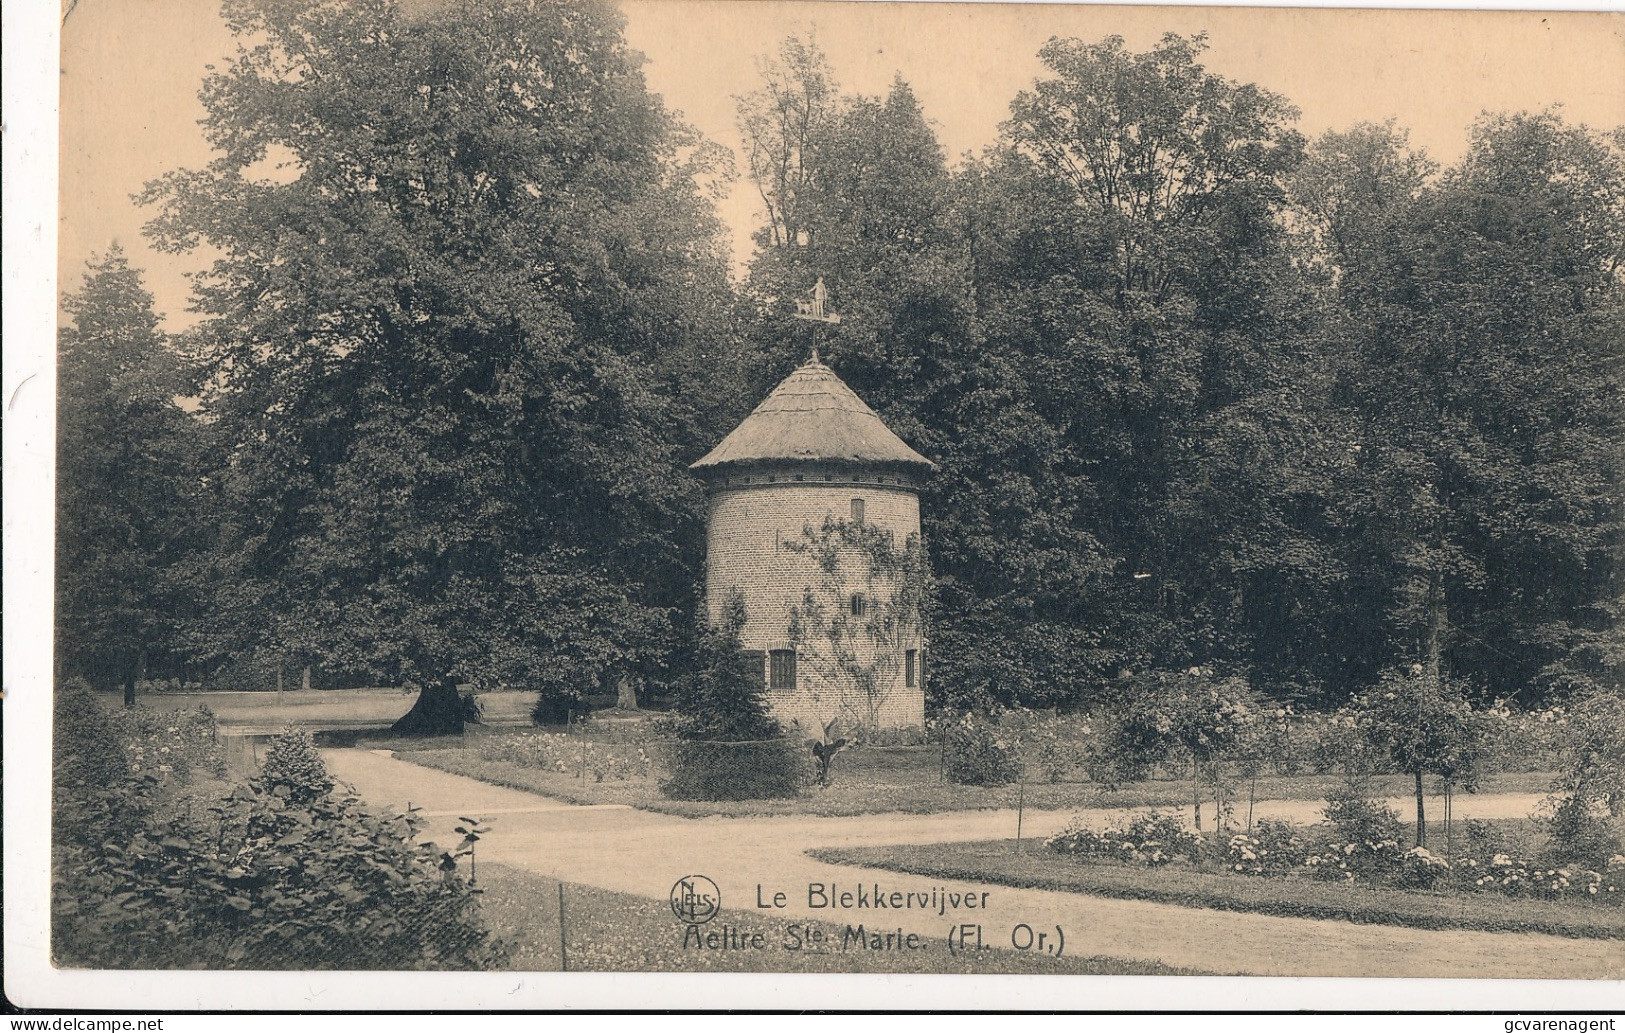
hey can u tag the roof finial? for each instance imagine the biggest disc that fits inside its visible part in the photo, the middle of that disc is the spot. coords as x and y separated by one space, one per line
815 355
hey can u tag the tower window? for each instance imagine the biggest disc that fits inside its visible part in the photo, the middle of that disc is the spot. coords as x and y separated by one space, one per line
860 605
781 673
911 663
857 511
800 477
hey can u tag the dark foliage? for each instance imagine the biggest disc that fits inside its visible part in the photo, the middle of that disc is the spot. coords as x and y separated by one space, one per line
728 747
735 770
978 755
490 312
280 874
1201 392
1358 818
293 768
559 704
129 481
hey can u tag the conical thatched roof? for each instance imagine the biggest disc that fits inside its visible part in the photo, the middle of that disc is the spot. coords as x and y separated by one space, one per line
813 417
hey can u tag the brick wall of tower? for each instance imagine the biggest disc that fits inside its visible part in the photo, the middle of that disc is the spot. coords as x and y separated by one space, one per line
748 527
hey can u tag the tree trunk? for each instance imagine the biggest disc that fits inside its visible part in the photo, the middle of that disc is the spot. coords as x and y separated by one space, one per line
1448 794
1252 798
1438 624
1421 816
439 710
133 674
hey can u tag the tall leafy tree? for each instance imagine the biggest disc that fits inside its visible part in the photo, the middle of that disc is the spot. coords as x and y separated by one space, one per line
781 123
1132 265
465 266
127 482
880 218
1081 329
1481 365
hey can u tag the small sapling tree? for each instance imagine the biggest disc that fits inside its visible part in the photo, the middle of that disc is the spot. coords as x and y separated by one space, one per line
1423 723
1165 715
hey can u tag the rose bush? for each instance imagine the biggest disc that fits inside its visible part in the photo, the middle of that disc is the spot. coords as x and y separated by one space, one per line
569 755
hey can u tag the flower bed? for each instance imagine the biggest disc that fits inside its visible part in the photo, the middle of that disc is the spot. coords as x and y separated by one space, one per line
1153 839
569 755
172 745
1279 850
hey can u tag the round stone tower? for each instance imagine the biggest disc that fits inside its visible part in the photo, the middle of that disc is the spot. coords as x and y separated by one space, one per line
815 522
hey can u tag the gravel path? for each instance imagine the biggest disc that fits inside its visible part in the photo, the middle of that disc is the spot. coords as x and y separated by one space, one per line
644 853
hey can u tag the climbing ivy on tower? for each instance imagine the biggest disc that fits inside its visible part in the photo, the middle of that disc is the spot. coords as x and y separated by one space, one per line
859 649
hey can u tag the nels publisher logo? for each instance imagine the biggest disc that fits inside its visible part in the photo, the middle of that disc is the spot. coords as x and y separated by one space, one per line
695 899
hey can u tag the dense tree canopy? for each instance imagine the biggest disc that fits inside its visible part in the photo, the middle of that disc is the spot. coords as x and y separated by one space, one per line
1203 393
1478 343
465 262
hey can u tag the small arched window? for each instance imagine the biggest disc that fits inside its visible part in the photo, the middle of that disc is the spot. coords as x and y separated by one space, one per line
860 605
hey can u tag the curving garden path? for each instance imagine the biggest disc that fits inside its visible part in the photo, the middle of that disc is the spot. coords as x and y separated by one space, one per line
644 853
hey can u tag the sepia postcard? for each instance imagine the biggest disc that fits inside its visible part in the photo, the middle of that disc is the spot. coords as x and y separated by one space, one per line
796 504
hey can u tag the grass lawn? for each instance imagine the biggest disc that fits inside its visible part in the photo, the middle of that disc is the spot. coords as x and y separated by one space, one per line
878 781
617 932
997 862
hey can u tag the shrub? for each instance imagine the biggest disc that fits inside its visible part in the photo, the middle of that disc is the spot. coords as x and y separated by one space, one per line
1579 833
1164 832
1358 818
1589 794
88 750
1419 868
772 769
1273 848
1370 860
884 738
720 699
978 755
95 745
729 747
1125 750
263 881
558 704
292 764
1481 838
1152 839
180 745
1521 877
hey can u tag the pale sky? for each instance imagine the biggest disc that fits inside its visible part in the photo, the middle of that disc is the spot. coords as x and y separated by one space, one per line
131 69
